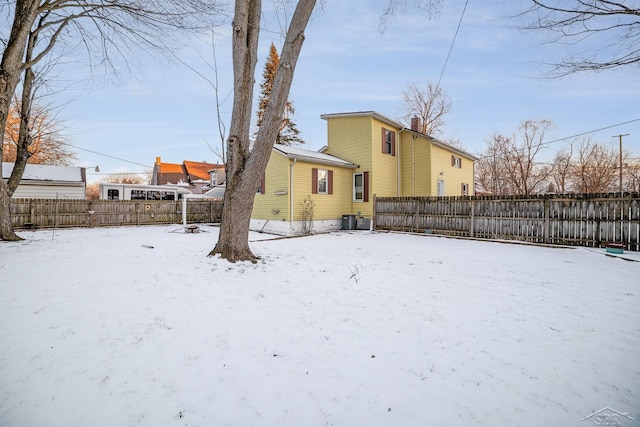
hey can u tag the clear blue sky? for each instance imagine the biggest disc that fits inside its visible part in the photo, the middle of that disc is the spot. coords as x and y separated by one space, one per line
492 78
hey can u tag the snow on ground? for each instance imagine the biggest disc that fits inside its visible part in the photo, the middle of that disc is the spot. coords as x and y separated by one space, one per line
343 329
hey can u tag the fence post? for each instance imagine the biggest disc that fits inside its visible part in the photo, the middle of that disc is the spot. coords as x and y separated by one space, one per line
546 226
472 226
55 213
373 220
417 215
32 213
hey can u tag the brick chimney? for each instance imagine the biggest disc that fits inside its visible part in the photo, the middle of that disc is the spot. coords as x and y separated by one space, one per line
415 124
158 160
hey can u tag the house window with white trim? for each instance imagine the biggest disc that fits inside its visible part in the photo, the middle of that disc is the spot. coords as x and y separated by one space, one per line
321 181
388 142
358 187
456 162
464 189
361 187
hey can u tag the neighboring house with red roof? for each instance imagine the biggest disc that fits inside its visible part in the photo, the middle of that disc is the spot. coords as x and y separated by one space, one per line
198 177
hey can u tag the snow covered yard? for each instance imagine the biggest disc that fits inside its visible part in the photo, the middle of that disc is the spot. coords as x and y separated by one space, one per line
344 329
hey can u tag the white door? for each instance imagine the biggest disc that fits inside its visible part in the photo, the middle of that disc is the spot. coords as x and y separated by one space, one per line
441 187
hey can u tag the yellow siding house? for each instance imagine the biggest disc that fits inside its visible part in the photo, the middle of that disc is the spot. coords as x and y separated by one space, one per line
302 188
367 154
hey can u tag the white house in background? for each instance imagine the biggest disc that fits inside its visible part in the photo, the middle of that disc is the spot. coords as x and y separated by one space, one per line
48 182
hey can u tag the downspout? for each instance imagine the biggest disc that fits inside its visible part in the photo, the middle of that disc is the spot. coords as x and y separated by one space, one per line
291 194
184 212
472 192
413 165
399 165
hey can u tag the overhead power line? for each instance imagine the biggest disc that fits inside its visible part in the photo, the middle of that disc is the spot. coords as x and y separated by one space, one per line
108 155
592 131
480 156
452 43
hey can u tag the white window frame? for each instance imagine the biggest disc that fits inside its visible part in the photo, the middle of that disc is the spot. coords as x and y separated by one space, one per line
355 192
388 141
323 180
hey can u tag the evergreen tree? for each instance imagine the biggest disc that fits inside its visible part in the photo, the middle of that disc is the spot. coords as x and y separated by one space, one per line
288 133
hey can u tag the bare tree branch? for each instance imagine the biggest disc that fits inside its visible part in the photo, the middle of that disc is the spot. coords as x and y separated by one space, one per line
510 166
430 105
616 25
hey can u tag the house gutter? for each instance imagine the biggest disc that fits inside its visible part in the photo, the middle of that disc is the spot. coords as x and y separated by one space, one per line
413 165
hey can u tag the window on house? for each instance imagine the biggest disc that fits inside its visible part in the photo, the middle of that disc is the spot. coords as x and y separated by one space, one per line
465 189
358 187
321 181
388 142
361 187
456 162
113 194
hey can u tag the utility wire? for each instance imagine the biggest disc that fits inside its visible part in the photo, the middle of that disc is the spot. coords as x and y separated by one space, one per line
108 155
452 43
480 156
592 131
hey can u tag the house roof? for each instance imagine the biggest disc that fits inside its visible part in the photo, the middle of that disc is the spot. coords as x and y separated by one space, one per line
311 156
171 168
446 146
372 114
403 128
187 172
171 173
45 173
199 170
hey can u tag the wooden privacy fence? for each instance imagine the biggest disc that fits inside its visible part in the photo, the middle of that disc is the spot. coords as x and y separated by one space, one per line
577 219
48 213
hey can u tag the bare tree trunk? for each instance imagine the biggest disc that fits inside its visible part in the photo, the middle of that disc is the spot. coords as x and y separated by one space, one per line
24 133
246 164
10 70
561 169
22 155
233 242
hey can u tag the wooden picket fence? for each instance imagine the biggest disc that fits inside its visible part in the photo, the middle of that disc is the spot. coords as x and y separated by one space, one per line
50 213
591 220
